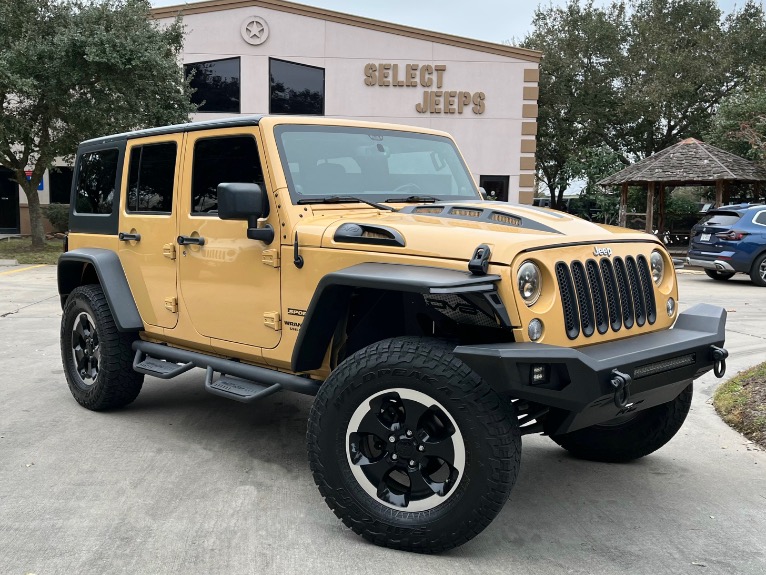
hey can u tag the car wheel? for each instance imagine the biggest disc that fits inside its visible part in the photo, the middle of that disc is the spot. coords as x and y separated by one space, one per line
716 275
412 449
632 436
758 271
97 358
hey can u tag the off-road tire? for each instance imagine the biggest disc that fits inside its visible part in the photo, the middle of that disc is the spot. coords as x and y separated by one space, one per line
487 423
641 435
719 276
116 384
758 271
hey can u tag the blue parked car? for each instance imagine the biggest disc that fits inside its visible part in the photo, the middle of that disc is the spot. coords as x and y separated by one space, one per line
731 239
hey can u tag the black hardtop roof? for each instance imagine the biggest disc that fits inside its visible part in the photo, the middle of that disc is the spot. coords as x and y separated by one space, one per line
174 129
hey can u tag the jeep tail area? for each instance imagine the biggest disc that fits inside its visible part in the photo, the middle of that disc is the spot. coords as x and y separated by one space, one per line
359 263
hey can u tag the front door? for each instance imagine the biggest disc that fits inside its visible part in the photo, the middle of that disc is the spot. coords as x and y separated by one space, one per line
148 226
9 203
229 291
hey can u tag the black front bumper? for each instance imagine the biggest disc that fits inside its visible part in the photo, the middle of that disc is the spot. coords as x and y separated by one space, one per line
578 382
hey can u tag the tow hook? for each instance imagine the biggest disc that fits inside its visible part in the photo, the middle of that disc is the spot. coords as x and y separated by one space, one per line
621 383
719 357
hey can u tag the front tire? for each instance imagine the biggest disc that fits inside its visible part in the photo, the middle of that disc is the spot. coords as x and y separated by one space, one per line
410 448
720 276
643 433
97 358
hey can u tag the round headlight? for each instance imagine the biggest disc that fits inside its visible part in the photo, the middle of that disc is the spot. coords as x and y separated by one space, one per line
529 282
657 263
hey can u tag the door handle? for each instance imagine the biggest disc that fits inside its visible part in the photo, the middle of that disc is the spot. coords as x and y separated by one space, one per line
129 237
190 241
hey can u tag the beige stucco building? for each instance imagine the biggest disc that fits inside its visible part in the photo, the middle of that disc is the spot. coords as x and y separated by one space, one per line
271 56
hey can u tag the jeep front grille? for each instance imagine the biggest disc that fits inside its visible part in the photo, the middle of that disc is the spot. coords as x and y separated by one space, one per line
595 296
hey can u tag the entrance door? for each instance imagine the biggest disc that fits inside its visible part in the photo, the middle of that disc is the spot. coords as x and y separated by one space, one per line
9 203
148 226
228 290
495 186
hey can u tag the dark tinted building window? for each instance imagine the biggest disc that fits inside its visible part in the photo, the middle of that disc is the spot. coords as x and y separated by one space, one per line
216 84
151 178
60 179
230 159
296 88
96 175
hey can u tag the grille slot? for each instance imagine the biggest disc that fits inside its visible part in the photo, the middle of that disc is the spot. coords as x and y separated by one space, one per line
626 302
599 300
611 293
568 301
587 321
646 284
638 293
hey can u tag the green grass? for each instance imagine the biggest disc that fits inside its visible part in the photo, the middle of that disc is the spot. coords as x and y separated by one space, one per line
22 251
741 402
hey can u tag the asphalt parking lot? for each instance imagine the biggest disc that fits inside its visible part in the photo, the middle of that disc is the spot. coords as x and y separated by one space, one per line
185 482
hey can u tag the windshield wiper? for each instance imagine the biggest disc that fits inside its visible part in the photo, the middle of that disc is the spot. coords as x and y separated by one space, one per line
344 200
414 200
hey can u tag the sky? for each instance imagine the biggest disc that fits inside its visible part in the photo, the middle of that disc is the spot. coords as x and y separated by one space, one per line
489 20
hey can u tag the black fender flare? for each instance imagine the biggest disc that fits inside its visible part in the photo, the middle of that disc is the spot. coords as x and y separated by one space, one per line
111 276
333 291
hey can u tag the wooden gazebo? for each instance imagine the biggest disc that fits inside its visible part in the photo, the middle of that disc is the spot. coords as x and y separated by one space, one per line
687 163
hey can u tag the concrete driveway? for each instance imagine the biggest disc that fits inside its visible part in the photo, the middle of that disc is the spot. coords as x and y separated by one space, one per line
185 482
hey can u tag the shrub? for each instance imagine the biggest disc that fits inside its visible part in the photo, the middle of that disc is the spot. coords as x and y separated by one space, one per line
58 216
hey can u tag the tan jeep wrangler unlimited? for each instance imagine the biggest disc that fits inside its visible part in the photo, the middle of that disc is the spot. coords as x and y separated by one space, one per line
358 262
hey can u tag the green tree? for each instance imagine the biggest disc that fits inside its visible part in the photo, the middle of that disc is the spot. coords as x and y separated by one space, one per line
739 126
581 47
635 76
75 69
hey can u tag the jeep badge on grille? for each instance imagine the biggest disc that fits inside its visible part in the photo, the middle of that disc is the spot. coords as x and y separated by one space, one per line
602 252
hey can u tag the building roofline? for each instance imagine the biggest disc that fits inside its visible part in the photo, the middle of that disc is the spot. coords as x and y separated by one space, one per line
350 20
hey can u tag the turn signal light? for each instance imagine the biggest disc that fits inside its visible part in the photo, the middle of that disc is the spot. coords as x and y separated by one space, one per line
731 235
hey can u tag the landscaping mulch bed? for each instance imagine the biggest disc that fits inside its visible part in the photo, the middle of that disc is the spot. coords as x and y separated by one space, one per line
741 402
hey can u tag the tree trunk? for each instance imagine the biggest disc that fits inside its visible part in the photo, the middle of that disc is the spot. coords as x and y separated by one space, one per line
35 212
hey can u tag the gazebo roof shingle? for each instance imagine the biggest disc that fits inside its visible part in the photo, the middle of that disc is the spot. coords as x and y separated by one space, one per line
689 161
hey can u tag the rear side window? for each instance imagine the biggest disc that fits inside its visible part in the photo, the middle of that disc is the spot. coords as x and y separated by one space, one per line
151 178
96 177
720 219
760 218
232 159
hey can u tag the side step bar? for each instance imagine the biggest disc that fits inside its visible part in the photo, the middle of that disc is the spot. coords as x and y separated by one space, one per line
248 383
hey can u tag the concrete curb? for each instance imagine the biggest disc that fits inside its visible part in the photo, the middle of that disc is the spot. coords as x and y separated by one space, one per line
8 263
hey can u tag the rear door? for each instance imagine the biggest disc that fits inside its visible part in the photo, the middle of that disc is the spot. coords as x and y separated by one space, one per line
148 226
230 290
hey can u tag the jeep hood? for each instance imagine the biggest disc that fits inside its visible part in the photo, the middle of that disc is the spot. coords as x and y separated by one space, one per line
455 230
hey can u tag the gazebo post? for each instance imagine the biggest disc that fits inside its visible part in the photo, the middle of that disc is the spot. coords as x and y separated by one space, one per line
650 207
718 193
623 205
661 215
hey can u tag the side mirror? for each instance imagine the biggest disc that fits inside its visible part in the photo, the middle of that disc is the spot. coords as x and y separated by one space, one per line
240 201
483 193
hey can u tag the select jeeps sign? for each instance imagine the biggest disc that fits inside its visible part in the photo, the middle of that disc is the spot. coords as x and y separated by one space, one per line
427 76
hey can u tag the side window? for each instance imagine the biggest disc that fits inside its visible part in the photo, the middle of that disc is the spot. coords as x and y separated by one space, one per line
96 176
151 177
217 160
761 218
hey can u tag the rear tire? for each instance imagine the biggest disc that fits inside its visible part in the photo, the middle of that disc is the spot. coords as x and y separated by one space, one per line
410 448
720 276
97 357
638 436
758 271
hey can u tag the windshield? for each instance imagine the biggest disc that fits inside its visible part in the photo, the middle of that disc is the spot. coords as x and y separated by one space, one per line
381 165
